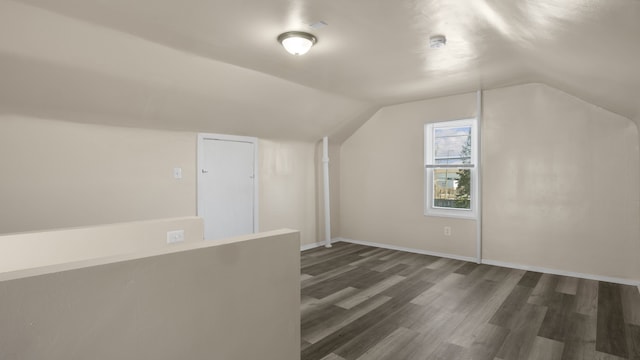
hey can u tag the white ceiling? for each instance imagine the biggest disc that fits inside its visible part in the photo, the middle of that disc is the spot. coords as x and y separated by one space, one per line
372 53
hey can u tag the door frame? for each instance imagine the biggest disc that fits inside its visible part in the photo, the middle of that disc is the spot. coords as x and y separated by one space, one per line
200 162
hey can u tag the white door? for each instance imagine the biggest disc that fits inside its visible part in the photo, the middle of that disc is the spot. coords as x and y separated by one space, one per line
226 185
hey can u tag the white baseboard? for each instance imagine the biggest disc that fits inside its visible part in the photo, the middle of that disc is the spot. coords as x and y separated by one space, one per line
563 272
495 263
317 244
416 251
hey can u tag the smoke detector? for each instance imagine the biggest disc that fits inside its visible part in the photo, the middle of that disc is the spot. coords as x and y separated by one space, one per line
437 41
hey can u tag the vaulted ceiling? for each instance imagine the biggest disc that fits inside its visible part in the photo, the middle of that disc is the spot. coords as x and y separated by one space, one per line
215 65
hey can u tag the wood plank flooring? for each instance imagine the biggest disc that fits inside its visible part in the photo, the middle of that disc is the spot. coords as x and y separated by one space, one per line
361 303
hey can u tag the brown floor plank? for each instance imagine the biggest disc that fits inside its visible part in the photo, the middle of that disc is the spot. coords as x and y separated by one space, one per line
546 349
367 281
555 322
333 356
390 262
497 273
480 312
360 302
587 297
508 313
403 270
466 268
303 344
630 297
545 290
319 318
336 283
367 262
611 331
605 356
580 340
633 341
369 292
310 306
337 320
488 342
320 254
567 285
447 351
530 279
328 275
476 275
524 328
333 263
477 294
388 347
401 297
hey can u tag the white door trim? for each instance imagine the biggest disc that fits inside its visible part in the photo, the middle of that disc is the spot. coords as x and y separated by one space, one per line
200 161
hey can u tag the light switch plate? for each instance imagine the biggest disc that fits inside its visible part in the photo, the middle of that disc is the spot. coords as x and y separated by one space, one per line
175 236
177 173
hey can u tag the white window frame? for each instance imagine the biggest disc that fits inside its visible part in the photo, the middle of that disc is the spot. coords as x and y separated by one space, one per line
429 166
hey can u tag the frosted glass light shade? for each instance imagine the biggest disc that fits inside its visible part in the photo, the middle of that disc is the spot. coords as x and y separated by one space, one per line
297 42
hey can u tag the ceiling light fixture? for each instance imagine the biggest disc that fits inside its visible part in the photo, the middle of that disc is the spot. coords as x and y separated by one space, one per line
437 41
297 42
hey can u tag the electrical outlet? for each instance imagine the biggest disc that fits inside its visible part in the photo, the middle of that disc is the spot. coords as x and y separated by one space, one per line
447 231
175 236
177 173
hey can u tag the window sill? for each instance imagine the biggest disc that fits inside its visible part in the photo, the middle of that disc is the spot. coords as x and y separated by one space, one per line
466 215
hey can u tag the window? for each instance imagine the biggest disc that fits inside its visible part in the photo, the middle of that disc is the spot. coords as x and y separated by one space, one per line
450 160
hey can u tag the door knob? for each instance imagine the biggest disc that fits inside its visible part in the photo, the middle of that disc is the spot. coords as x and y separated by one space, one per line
205 171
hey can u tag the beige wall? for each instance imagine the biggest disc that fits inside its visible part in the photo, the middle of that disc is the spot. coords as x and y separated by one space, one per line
287 187
58 174
29 250
196 301
637 121
381 180
560 182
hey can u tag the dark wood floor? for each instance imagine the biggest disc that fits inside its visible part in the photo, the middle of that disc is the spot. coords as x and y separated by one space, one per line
360 302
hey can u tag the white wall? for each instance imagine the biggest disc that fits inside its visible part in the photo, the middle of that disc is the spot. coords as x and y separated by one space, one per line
560 182
58 174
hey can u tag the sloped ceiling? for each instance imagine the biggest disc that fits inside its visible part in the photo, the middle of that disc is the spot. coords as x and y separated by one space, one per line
214 65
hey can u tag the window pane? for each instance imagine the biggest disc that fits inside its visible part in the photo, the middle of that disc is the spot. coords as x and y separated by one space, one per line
452 188
452 145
